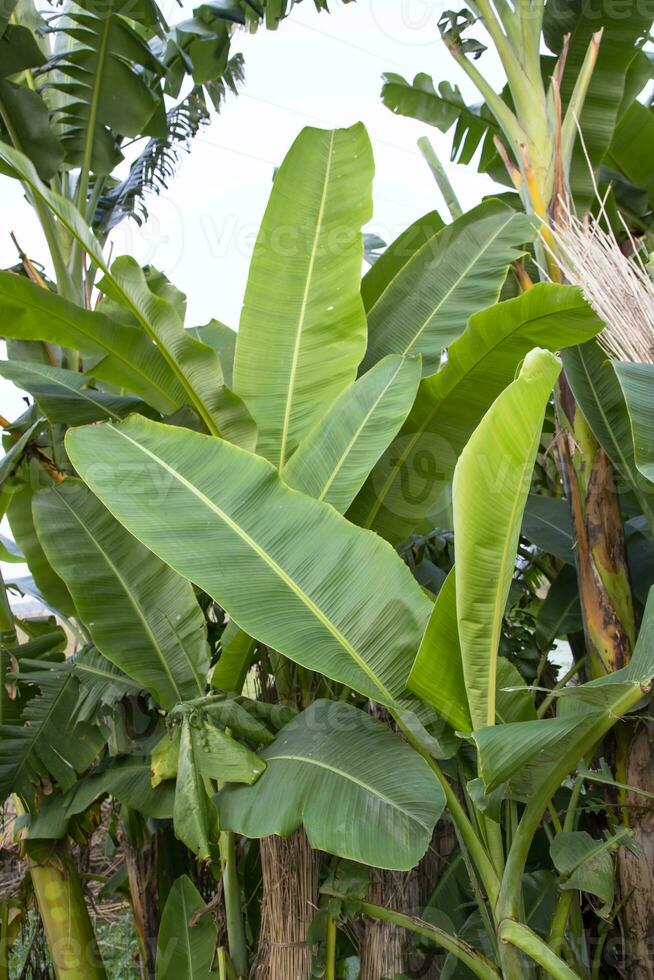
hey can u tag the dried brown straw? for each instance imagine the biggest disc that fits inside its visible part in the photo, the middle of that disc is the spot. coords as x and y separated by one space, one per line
618 287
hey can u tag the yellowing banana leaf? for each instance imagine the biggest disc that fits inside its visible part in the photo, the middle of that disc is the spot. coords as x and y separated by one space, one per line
491 483
359 791
141 615
303 329
336 455
288 569
431 290
412 479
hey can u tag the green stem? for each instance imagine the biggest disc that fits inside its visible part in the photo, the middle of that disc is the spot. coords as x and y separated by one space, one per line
71 941
440 176
484 865
571 812
569 674
508 906
476 962
560 920
504 116
502 44
523 938
330 948
233 912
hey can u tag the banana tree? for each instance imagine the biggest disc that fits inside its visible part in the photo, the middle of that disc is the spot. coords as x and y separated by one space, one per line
187 490
563 133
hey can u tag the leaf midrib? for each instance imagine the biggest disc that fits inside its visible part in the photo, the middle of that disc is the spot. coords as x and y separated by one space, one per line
303 306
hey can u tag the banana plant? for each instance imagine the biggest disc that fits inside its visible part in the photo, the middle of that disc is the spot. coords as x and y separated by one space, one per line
250 506
571 132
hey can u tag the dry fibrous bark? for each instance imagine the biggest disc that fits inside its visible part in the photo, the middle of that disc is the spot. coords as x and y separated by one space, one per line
290 871
141 863
636 870
384 945
385 948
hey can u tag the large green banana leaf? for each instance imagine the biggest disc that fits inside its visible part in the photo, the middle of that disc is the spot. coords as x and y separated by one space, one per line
453 272
491 483
64 396
25 111
100 683
288 569
546 522
195 366
303 329
358 790
637 383
393 259
194 815
236 652
336 455
105 77
223 340
15 452
412 479
560 612
185 951
141 615
129 360
205 753
631 147
524 755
